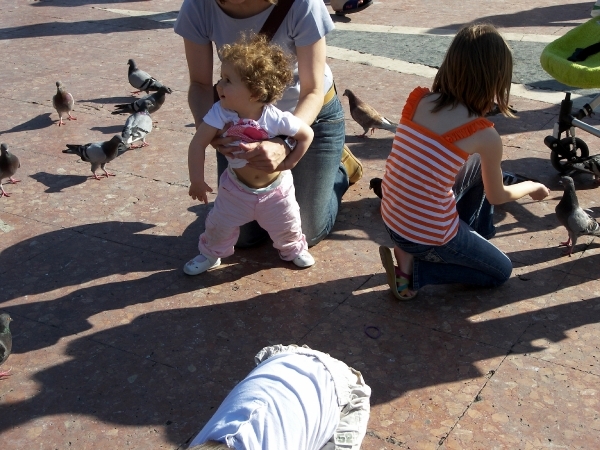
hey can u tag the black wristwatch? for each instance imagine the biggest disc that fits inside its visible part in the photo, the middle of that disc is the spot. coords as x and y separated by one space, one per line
290 142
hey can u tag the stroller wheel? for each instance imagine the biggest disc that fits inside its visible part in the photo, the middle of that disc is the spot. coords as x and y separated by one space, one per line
570 153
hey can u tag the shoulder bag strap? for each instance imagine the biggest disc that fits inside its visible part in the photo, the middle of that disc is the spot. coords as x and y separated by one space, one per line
276 17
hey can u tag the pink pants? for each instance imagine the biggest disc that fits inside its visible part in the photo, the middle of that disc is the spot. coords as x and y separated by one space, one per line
276 211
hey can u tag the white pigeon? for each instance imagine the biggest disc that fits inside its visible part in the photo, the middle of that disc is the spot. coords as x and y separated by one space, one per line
137 127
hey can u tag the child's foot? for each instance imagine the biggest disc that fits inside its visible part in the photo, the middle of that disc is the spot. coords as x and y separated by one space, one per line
304 259
200 264
398 281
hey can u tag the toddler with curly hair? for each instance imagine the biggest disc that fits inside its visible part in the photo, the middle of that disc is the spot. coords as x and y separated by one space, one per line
254 74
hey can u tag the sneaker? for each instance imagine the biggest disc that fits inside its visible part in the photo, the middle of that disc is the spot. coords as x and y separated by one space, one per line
200 264
354 168
596 9
304 259
343 7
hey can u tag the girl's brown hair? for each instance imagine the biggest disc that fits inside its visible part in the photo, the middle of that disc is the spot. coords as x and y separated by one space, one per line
264 68
476 71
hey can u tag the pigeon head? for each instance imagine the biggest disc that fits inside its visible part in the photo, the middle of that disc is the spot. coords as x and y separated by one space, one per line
348 93
5 319
4 148
165 89
59 84
146 105
117 139
131 63
567 182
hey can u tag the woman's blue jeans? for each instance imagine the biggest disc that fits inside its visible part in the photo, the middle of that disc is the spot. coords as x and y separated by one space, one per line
319 178
468 257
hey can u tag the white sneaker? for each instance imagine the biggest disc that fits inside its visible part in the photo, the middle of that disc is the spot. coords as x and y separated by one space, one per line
200 264
304 259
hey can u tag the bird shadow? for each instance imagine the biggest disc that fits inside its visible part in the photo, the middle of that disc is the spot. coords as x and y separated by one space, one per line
56 182
109 100
111 129
35 123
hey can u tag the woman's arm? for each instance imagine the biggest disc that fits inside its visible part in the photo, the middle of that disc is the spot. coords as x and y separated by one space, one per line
311 67
200 65
490 152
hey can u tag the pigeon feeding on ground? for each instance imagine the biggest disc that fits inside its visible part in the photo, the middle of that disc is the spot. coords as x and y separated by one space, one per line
137 126
366 116
63 103
573 217
141 80
98 153
9 164
375 184
593 166
156 101
5 342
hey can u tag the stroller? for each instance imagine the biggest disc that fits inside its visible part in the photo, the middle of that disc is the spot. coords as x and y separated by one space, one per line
574 59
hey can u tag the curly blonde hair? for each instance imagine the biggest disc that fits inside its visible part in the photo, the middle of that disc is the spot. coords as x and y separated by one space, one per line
265 69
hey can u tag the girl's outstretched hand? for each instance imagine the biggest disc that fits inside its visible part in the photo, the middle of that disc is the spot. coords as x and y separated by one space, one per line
199 190
540 193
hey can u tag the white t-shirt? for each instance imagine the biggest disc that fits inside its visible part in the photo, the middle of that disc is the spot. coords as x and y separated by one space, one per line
288 402
307 21
273 122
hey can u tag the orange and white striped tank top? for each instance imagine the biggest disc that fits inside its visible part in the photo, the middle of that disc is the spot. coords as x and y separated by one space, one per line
418 202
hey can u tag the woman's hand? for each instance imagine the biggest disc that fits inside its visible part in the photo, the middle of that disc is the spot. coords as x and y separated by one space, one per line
540 192
264 155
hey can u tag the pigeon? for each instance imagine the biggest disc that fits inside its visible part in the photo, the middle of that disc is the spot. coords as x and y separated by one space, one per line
156 101
366 116
63 103
141 80
5 342
137 126
98 153
593 166
573 217
375 184
9 164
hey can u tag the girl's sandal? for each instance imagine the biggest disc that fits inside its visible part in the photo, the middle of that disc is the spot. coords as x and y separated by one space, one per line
397 280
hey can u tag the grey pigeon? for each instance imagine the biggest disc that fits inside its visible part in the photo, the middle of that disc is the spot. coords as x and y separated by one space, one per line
98 153
366 116
5 342
9 164
573 217
156 101
63 103
593 165
141 80
137 126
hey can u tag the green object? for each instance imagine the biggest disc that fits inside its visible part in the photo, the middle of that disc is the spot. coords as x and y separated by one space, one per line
581 74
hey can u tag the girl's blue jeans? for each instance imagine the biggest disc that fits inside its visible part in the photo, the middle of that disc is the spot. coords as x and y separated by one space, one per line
468 257
320 179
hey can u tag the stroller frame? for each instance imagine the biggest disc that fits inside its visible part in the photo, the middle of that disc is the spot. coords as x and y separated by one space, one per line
569 152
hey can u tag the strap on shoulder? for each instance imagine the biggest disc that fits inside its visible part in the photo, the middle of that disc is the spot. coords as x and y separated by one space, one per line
276 17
